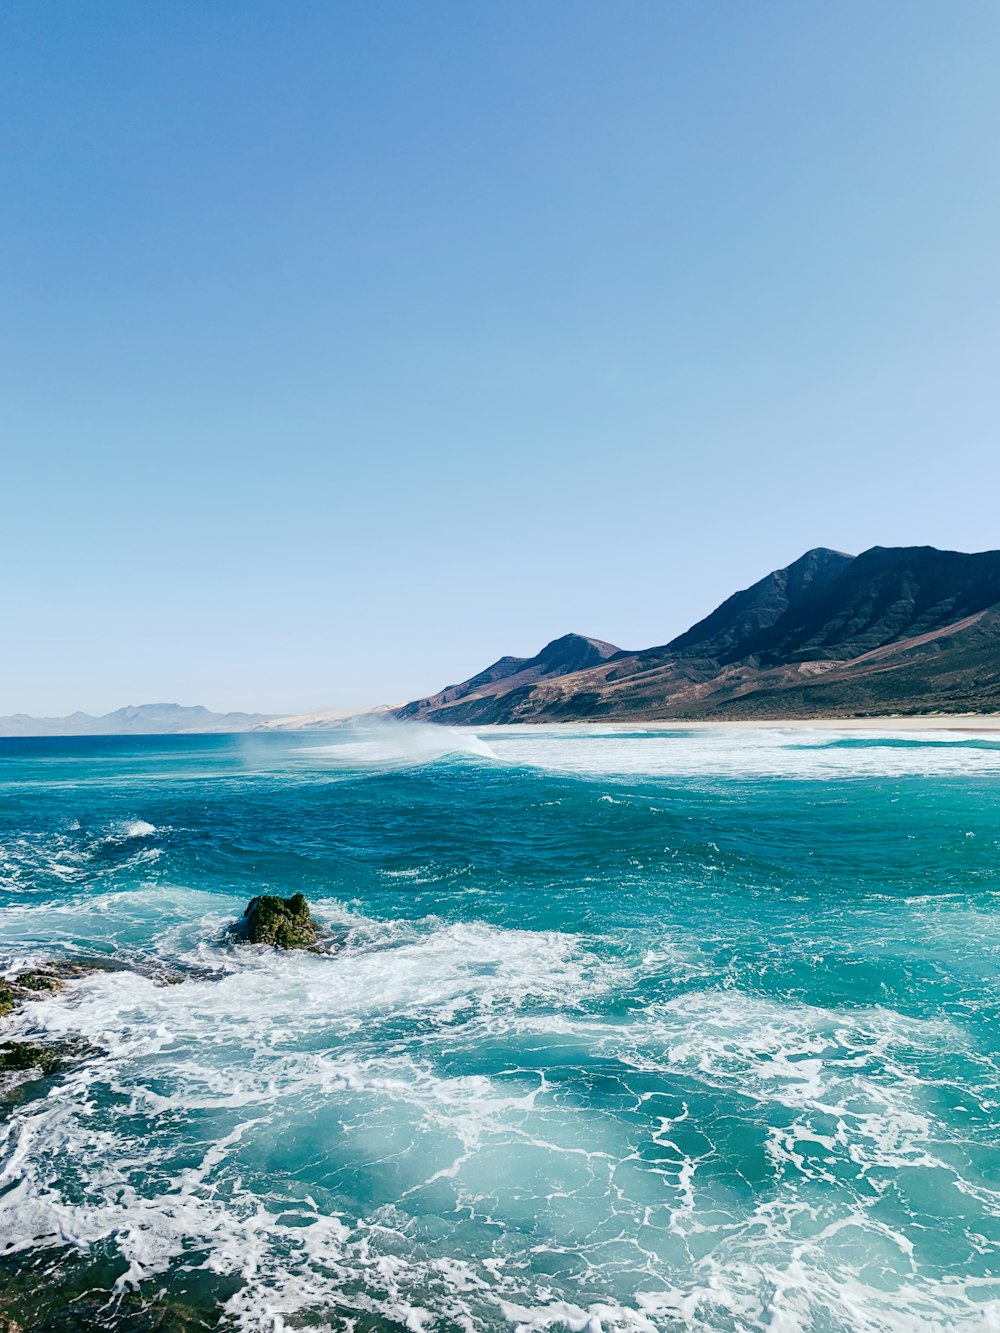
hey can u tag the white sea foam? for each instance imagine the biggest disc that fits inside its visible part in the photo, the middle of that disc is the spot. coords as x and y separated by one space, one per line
69 855
265 1042
732 752
291 1058
125 830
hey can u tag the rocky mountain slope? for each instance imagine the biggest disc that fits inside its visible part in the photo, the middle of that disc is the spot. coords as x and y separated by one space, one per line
562 657
904 630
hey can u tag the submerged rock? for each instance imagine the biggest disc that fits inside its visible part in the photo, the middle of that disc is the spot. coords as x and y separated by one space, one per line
69 1291
39 982
31 1057
284 922
18 1056
47 979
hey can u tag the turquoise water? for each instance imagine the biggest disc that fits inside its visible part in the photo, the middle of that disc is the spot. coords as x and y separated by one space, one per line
616 1030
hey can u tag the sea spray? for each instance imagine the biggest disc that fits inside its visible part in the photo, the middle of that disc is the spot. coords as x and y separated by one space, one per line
385 743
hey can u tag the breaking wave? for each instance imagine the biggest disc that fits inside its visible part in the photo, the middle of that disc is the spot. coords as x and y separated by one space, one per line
389 744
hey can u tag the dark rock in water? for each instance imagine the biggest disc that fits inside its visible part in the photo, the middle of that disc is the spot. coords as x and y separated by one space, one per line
35 1061
284 922
26 986
18 1056
39 982
47 979
69 1291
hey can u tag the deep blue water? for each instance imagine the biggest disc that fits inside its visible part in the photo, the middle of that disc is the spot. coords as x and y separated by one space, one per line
613 1030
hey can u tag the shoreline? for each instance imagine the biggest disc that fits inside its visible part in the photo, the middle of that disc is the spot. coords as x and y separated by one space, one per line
961 722
966 723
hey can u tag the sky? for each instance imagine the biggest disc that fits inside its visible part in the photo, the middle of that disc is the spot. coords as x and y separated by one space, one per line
345 347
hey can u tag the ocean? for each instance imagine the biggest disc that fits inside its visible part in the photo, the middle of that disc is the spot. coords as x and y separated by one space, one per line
611 1030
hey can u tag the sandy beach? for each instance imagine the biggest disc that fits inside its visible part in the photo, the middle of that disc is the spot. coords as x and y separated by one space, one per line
962 722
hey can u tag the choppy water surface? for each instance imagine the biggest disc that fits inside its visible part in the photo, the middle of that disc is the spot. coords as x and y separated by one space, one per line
617 1031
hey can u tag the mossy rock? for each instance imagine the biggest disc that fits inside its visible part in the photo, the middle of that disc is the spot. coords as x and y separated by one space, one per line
39 983
283 922
18 1056
69 1292
48 979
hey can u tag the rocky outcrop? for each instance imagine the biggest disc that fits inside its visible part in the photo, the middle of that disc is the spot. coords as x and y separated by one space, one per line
49 978
283 922
23 1056
37 982
31 1058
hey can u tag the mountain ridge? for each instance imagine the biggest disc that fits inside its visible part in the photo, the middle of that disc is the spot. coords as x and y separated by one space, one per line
895 629
559 657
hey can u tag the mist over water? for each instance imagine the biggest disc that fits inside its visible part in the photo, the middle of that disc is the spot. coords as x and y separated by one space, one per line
612 1030
385 743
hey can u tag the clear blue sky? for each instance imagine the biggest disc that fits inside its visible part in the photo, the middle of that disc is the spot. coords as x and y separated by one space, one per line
346 346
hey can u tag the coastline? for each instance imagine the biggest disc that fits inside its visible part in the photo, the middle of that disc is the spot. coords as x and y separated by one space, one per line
967 723
960 722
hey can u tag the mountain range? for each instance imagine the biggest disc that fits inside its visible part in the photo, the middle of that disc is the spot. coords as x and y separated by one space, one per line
135 720
895 630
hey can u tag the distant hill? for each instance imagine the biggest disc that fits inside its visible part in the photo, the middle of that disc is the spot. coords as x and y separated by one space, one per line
904 630
561 657
143 720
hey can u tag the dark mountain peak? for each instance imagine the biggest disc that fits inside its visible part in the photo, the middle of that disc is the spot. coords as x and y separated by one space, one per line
887 594
561 657
817 557
812 571
572 652
928 557
745 622
821 554
907 552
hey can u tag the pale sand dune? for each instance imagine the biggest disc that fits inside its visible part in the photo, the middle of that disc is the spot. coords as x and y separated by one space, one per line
321 719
